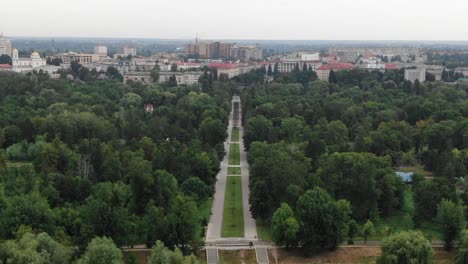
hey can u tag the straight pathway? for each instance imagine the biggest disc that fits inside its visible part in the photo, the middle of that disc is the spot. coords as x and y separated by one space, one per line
250 226
213 234
261 252
212 256
213 231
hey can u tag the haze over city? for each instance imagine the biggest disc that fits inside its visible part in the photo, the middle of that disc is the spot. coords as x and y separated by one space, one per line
233 132
241 19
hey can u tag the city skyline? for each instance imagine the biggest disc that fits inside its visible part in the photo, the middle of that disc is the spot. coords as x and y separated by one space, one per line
262 20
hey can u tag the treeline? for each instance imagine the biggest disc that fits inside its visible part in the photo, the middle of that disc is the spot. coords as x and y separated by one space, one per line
340 142
86 160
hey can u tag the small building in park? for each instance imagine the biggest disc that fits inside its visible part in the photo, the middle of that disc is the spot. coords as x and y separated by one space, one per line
407 177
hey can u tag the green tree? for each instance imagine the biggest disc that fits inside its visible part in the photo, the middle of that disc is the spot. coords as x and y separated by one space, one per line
183 222
462 249
27 209
284 226
367 230
105 213
451 220
31 248
213 131
270 71
155 75
196 188
353 230
332 77
101 250
324 221
258 128
5 59
406 247
156 225
428 194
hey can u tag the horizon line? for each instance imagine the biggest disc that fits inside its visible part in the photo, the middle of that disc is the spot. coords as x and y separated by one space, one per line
243 39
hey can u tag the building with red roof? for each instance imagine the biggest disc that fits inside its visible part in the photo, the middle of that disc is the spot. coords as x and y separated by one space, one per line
5 67
229 69
324 71
181 65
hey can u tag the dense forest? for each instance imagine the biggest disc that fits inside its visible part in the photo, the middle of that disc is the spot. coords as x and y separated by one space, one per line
84 160
88 167
323 155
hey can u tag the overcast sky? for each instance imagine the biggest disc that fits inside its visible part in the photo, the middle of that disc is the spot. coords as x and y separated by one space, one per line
239 19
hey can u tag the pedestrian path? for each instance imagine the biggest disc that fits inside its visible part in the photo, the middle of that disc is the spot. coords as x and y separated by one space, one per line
261 252
214 230
212 256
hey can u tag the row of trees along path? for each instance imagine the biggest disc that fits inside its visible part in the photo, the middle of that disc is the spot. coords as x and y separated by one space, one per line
213 234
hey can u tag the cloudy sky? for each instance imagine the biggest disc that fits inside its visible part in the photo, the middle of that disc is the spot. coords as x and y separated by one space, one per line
239 19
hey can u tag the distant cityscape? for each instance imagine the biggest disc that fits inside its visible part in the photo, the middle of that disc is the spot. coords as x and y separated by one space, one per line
229 59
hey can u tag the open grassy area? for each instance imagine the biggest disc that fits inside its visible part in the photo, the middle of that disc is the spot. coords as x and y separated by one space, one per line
234 171
234 154
358 255
235 134
17 164
403 220
417 169
263 230
204 211
246 256
233 214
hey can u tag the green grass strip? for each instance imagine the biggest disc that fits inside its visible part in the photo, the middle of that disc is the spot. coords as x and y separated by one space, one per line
234 154
233 214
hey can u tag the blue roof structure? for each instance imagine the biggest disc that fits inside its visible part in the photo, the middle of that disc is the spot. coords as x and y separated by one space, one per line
407 177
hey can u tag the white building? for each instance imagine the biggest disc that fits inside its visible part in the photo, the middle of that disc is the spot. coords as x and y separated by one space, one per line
182 78
27 64
415 74
5 45
128 50
309 56
100 49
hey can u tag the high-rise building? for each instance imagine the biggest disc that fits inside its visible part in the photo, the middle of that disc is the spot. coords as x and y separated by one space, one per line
415 74
5 45
129 50
245 53
219 49
100 49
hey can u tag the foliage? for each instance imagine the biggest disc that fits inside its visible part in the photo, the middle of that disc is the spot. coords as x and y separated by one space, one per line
101 250
324 221
406 247
462 251
285 226
31 248
367 230
451 220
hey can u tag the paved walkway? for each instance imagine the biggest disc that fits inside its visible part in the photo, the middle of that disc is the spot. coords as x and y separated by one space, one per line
216 219
250 227
213 234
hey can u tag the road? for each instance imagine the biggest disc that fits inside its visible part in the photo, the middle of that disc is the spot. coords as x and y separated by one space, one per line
213 233
250 227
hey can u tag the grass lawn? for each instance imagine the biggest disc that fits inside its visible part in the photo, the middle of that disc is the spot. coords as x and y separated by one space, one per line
235 134
234 154
417 169
233 214
17 164
246 256
204 211
263 230
234 171
349 255
402 221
